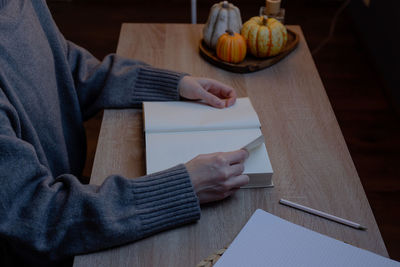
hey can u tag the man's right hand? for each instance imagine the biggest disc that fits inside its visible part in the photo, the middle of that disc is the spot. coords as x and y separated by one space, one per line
218 175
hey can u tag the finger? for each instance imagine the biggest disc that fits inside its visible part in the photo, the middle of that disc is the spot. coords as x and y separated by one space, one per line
235 169
211 99
228 96
217 87
235 156
220 90
237 181
230 101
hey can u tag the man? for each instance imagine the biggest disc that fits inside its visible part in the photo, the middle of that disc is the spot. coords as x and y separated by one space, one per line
48 87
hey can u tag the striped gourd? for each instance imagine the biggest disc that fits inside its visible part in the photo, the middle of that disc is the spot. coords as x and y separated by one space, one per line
264 36
231 47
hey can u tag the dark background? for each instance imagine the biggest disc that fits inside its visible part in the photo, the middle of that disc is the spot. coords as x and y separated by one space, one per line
359 68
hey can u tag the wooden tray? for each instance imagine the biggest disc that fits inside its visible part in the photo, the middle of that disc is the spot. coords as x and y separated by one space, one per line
250 63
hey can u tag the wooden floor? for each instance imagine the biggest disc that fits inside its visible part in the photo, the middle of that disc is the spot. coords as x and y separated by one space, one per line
368 120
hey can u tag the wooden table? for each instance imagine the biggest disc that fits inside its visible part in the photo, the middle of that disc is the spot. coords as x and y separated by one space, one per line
311 162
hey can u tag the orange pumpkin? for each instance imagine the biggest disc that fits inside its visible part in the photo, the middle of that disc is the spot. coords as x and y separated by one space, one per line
264 36
231 47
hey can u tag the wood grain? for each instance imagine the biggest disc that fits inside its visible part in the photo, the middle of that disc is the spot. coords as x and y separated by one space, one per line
311 161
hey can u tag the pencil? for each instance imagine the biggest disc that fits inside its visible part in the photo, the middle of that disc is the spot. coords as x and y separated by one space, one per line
322 214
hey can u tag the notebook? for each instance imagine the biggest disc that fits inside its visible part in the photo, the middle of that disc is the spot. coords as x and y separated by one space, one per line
177 131
267 240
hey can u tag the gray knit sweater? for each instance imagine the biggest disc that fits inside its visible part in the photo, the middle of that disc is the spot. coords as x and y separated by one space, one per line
48 86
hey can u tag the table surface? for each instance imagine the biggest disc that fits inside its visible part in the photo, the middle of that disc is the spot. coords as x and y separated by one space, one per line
312 165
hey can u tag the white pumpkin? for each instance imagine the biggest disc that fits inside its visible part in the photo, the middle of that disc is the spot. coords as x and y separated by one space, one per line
223 16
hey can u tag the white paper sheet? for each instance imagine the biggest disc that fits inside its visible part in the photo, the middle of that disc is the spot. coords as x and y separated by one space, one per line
267 240
176 116
164 150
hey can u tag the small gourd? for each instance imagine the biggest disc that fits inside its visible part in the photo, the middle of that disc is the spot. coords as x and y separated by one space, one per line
231 47
264 36
222 16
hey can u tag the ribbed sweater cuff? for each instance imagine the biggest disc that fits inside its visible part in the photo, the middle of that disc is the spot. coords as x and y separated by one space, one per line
165 199
154 84
3 3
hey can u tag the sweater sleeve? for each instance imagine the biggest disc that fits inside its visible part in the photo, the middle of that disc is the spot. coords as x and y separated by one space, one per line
118 82
57 217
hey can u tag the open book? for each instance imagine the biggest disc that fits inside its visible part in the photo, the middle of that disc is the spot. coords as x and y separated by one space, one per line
176 132
267 240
